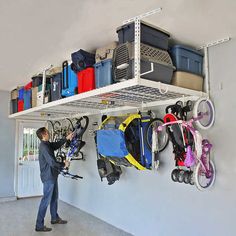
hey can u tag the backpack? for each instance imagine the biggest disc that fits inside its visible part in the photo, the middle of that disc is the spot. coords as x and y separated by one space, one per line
107 169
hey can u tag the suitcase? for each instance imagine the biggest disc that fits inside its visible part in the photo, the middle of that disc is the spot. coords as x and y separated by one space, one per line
105 53
34 96
69 80
103 73
187 80
81 60
20 105
27 99
56 84
86 80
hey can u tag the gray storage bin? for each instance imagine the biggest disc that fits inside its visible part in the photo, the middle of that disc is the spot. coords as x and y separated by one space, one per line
150 35
123 63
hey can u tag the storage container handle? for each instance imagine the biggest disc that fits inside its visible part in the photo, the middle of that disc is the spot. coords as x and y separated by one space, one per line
65 80
150 71
122 66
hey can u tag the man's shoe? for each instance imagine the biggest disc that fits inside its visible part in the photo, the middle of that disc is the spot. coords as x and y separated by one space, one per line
44 229
59 221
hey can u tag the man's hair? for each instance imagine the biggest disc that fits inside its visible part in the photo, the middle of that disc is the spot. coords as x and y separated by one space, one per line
40 132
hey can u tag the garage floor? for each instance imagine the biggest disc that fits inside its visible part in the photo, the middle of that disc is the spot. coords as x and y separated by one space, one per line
18 218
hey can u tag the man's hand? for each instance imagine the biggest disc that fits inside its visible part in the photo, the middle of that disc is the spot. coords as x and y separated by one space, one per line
67 164
70 136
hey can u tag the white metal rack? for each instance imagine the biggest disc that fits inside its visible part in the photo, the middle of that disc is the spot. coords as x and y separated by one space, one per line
136 93
126 95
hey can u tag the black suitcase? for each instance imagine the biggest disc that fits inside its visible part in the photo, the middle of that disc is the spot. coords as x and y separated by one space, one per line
56 87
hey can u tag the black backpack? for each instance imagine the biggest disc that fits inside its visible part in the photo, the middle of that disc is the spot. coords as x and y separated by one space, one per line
108 170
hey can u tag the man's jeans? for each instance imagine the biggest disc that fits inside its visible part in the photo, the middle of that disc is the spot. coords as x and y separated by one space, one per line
50 196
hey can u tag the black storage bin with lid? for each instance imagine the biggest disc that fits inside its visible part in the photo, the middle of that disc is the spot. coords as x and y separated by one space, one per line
150 35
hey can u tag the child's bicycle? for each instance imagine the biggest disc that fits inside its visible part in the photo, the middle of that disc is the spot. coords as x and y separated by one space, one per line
193 151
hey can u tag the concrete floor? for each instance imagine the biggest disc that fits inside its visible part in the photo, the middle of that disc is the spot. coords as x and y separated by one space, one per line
18 218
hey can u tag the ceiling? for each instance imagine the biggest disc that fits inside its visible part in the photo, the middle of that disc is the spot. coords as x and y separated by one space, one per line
35 34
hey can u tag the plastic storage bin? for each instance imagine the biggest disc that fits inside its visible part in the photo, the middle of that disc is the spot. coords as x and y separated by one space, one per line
69 80
38 80
21 93
103 73
106 52
187 59
20 105
187 80
56 84
14 94
27 99
86 80
150 35
14 106
34 96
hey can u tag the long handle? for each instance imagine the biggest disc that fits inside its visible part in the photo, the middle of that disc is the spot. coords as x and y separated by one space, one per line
65 67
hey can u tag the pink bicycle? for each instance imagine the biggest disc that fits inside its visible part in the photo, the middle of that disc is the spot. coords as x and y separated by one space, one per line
197 155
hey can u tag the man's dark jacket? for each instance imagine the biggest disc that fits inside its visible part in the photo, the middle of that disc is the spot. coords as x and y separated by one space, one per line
49 168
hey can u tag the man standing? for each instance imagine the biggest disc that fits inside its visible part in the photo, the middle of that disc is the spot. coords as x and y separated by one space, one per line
49 171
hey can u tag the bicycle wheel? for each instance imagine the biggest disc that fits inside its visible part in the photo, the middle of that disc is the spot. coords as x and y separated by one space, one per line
187 177
174 175
163 138
202 181
204 106
180 176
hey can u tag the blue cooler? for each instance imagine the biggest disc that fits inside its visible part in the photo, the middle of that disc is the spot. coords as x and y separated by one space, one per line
187 59
103 73
69 80
27 99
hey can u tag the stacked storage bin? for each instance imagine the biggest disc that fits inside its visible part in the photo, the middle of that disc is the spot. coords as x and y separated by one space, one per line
153 50
20 101
14 99
28 96
103 66
189 63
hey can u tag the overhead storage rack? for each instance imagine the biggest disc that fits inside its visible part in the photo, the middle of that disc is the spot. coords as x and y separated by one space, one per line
126 95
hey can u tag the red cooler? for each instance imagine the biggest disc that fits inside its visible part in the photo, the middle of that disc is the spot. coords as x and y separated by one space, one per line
86 80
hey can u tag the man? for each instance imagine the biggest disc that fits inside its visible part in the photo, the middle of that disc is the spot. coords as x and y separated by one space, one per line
49 171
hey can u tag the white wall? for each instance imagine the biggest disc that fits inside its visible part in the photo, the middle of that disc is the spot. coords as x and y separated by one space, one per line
7 148
147 203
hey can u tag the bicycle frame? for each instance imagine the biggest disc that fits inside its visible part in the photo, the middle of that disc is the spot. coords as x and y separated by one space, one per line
202 147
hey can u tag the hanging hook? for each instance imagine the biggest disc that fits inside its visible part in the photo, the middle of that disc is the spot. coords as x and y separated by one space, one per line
161 91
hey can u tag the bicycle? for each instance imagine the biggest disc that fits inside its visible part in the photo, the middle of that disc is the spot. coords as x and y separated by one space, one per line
197 154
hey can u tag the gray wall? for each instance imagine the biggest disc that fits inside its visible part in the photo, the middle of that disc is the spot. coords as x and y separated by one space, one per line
148 203
7 147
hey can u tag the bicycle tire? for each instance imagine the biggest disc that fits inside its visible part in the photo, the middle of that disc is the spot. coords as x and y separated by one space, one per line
174 175
180 176
147 133
196 176
187 177
204 103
